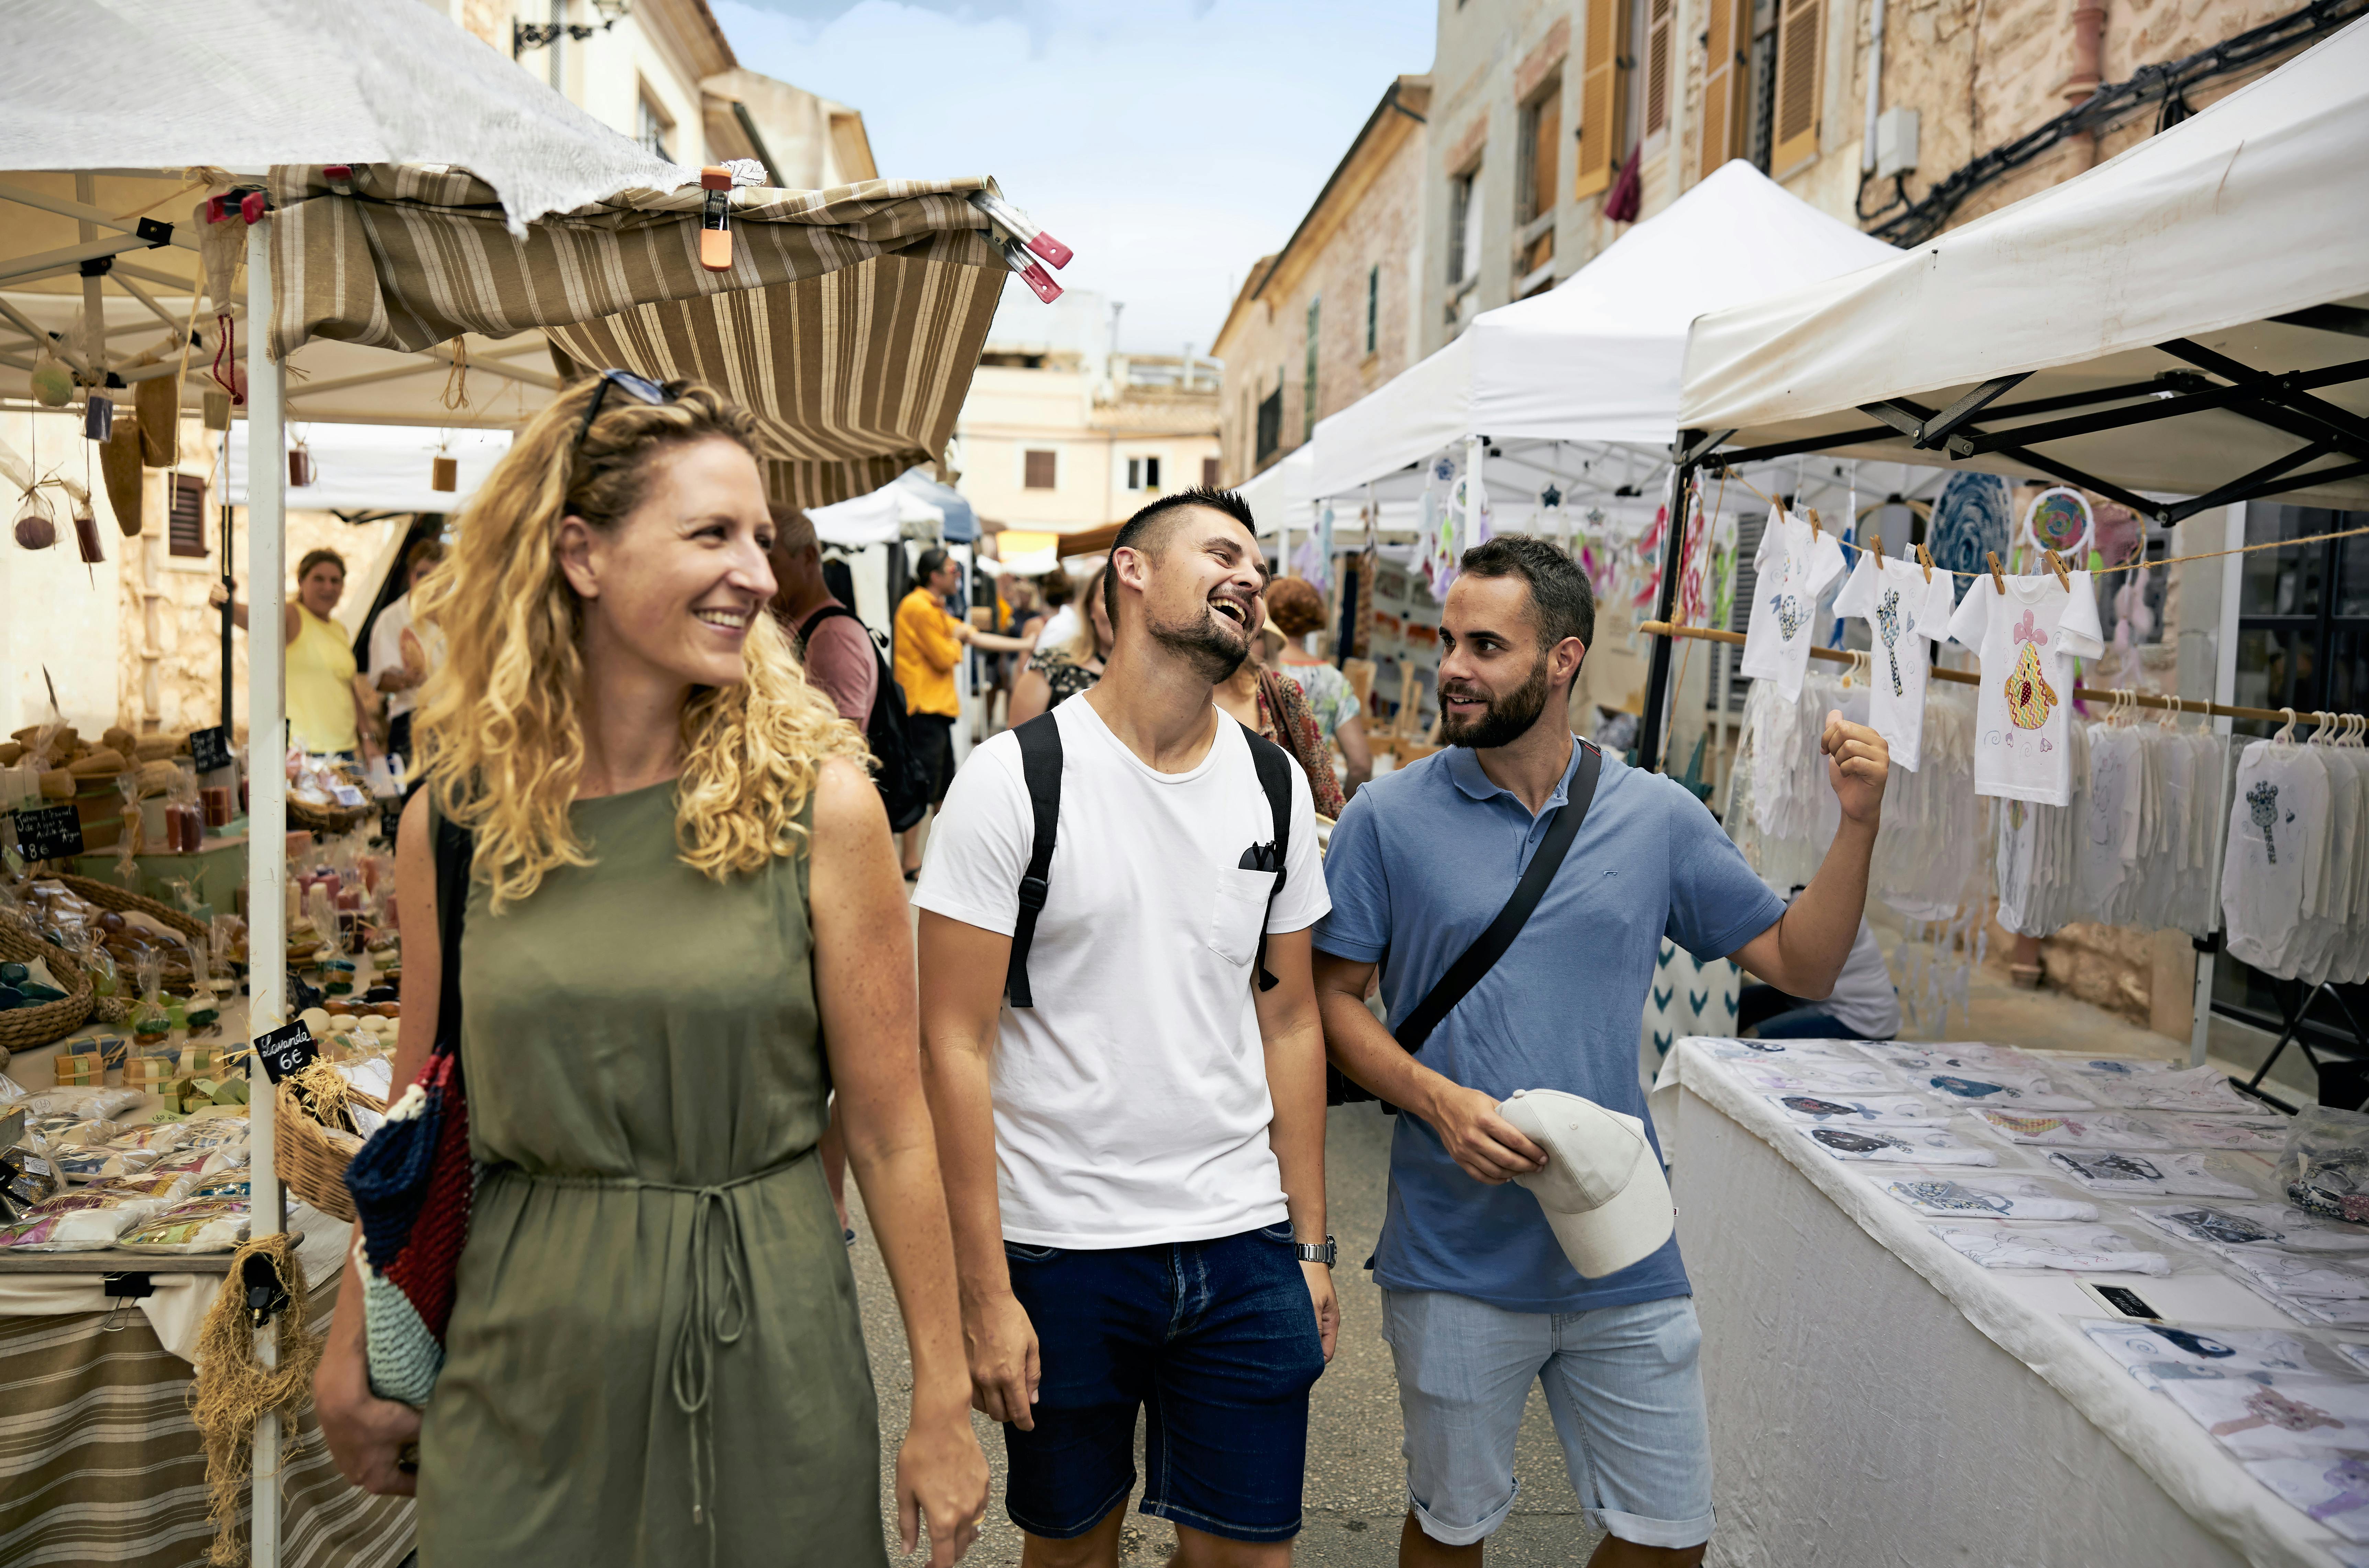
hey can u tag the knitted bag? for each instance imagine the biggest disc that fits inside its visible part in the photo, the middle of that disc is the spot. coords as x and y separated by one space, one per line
413 1182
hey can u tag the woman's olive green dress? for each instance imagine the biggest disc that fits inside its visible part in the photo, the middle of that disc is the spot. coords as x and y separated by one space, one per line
654 1357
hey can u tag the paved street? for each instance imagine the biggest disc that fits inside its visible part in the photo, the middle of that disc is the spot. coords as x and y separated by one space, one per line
1355 1494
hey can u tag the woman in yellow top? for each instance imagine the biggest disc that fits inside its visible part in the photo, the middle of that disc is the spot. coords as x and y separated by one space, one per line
326 715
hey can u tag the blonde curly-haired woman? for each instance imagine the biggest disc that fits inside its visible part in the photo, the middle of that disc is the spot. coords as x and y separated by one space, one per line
685 925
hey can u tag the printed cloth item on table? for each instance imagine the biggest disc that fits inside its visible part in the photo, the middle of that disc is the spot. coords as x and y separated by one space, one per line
2279 1225
1784 1054
1813 1076
1891 1108
2291 1274
1961 1057
2155 1353
2166 1175
2278 826
2335 1311
2277 1416
2025 1091
2027 641
2357 1354
2104 1129
2084 1249
2002 1196
1793 567
1907 607
2332 1486
1899 1145
2202 1091
2182 1129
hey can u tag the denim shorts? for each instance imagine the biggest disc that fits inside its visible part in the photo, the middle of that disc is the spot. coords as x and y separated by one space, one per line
1216 1338
1622 1384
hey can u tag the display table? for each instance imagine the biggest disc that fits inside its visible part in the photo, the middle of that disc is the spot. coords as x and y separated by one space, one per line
1877 1397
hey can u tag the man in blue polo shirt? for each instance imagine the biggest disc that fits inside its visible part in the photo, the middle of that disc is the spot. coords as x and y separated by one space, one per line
1478 1297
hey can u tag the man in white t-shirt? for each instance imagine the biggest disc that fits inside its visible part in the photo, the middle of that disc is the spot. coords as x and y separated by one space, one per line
1134 1155
400 658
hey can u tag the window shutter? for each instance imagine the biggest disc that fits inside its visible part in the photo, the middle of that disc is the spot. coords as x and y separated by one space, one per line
1208 473
1599 98
184 524
1657 66
1796 135
1037 472
1307 386
1723 120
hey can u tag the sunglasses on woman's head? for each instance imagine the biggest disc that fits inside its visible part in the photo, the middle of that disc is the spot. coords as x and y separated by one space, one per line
640 387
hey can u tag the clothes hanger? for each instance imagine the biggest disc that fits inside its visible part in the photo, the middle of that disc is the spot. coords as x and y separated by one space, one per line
2285 734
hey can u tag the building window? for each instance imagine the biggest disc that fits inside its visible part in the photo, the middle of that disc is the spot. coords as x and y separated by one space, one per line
1373 302
1791 102
1208 473
1143 473
1037 471
1660 16
1308 376
1464 228
1603 77
652 129
1536 183
1270 422
184 524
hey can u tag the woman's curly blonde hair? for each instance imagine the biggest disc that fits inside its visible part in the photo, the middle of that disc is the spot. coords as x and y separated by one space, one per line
498 729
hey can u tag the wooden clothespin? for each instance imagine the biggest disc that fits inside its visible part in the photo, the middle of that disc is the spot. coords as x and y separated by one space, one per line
1998 583
2056 565
1876 544
1925 559
1810 516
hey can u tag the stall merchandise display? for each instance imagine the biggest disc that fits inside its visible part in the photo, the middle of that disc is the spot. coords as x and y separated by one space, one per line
2027 638
1988 1196
2082 1249
1796 563
1906 605
2295 878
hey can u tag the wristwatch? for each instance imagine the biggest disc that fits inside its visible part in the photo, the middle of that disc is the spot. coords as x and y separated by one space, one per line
1311 1251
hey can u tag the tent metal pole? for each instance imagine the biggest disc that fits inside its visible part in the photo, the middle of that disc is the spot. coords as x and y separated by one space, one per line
267 833
1658 672
2224 691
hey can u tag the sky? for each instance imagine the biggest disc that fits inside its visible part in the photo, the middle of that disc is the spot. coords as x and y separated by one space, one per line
1169 142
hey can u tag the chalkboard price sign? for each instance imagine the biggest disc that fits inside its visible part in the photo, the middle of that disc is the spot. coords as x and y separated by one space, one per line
286 1050
210 748
48 832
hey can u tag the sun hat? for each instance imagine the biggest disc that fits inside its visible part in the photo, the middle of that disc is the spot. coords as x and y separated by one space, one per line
1274 635
1602 1189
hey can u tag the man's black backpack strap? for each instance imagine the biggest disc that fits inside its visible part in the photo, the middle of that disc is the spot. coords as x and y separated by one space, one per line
1273 765
904 785
1490 945
1040 766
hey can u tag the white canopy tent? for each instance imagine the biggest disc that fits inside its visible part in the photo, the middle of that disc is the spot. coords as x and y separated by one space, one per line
880 518
2217 273
1596 359
378 467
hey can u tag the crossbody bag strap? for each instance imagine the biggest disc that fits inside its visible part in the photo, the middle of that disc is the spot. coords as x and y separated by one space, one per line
455 848
1273 765
1041 767
1490 945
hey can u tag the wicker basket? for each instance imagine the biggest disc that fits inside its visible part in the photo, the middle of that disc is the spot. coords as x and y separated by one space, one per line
22 1029
307 1162
329 819
108 896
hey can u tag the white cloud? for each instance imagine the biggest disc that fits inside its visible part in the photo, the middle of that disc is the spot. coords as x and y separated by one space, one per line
1170 142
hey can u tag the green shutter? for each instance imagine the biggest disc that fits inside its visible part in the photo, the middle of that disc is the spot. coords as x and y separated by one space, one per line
1308 383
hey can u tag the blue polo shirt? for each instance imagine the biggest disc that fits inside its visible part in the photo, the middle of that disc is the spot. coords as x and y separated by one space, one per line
1421 863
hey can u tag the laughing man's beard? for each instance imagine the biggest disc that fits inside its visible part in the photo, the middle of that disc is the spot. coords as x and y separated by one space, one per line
1506 719
1204 644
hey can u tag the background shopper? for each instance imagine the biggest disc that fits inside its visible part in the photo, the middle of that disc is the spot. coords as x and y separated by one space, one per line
929 639
1297 610
683 921
1062 668
327 715
400 658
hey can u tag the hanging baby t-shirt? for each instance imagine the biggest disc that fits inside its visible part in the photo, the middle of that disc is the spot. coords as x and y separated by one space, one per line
1902 609
2027 641
1795 564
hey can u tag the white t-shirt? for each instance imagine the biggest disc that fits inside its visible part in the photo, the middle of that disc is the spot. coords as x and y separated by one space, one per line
386 653
1795 564
2027 643
1131 1103
2278 834
1901 608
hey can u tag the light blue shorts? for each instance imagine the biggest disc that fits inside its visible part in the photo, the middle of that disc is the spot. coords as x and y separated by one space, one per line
1622 1384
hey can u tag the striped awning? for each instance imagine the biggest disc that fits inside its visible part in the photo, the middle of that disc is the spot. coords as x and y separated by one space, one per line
850 323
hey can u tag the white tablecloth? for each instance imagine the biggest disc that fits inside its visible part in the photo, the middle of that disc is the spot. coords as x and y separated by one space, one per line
1878 1398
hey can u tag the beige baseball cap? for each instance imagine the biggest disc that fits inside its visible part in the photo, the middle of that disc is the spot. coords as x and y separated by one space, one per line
1602 1189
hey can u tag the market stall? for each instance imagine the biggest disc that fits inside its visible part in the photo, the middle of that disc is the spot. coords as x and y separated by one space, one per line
2172 333
848 320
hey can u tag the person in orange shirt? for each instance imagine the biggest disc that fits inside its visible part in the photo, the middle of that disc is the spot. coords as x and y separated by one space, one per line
930 640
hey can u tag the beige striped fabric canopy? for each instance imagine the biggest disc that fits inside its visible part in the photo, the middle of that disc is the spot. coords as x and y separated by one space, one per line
850 323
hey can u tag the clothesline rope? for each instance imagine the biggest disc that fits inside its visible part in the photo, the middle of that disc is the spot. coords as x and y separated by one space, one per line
2101 571
2081 693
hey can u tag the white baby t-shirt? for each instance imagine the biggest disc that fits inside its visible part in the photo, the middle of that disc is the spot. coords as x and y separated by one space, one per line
1795 564
1901 607
2027 642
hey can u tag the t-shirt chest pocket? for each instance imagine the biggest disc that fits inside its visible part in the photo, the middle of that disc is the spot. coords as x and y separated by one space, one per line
1238 912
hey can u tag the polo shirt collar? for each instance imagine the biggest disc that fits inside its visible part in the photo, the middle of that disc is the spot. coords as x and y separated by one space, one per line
1464 767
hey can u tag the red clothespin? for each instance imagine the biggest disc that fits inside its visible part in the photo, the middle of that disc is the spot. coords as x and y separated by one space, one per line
1040 283
1022 227
253 206
1998 582
714 219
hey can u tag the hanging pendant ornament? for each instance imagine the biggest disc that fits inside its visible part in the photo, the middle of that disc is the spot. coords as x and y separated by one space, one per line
98 418
53 383
300 464
37 526
2059 519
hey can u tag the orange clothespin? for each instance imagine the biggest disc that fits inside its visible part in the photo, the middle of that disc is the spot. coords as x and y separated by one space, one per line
1998 582
1925 559
2056 565
714 219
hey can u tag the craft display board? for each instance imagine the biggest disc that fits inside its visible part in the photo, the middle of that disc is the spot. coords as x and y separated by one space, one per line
1403 643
